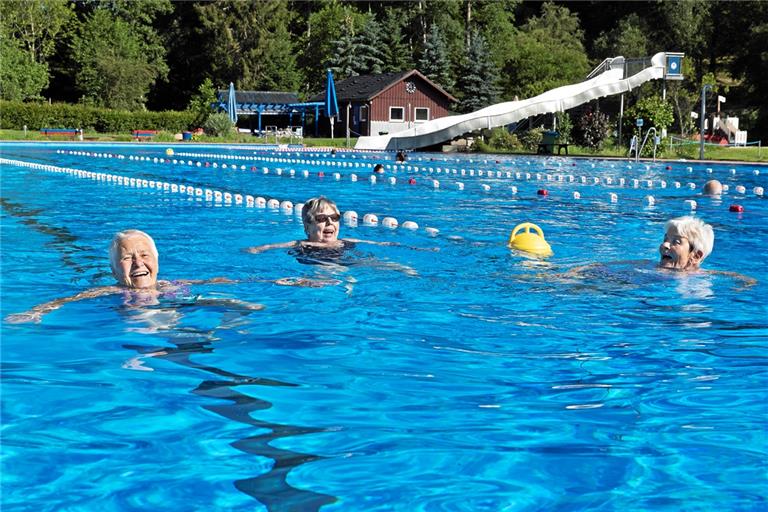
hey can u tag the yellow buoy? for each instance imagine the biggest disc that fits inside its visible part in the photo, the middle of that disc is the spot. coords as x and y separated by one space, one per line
528 241
169 152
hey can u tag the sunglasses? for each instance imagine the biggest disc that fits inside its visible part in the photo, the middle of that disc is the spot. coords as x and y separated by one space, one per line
323 218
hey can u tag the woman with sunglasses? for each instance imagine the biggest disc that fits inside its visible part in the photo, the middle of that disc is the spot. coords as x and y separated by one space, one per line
321 219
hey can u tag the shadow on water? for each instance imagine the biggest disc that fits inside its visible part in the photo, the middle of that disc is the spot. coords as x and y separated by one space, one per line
272 488
63 241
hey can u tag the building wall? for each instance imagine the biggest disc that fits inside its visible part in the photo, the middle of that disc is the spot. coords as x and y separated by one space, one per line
425 96
377 120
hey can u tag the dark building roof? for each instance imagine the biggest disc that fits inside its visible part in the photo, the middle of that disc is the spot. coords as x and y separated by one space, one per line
367 87
260 97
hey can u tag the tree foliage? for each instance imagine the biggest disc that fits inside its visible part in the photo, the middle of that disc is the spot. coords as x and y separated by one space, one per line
592 129
549 52
21 77
29 30
477 84
318 43
629 39
434 62
113 71
157 52
249 44
653 111
396 53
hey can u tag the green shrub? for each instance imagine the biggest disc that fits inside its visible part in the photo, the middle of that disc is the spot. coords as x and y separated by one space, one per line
592 129
532 138
218 124
564 126
15 115
501 140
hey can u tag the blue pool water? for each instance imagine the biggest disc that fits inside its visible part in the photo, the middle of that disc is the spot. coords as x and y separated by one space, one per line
443 373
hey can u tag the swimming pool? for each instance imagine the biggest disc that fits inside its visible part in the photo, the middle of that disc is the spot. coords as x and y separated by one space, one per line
444 373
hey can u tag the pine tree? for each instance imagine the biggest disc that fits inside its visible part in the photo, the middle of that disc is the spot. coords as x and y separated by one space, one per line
396 54
478 82
370 46
345 60
434 62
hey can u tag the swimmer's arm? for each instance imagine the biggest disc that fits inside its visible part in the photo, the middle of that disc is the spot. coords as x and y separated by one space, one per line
268 247
36 313
372 242
391 244
578 271
231 304
746 281
213 280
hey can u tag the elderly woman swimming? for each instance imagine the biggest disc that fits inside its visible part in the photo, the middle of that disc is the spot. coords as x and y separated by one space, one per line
134 261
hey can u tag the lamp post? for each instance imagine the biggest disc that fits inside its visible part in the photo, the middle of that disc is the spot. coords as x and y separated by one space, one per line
701 119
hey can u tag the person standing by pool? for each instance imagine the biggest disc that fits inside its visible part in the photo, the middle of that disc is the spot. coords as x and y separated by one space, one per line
134 261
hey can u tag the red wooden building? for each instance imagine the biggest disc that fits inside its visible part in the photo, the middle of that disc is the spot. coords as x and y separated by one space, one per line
388 103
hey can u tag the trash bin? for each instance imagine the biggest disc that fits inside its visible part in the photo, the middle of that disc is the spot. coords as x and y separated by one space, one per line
548 141
186 135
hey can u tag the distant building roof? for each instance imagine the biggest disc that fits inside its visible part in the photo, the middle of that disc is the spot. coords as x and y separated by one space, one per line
260 97
367 87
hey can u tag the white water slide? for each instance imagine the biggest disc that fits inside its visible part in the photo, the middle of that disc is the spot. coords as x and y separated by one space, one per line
609 82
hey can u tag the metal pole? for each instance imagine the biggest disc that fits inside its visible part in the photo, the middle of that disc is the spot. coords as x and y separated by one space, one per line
348 107
701 120
621 115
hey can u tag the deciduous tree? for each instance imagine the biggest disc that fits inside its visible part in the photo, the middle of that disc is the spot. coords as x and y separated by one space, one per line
548 53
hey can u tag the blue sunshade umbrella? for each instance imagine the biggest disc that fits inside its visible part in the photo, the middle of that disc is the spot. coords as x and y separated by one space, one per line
331 105
232 104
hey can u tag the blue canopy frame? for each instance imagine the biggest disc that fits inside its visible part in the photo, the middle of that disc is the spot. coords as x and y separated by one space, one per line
273 108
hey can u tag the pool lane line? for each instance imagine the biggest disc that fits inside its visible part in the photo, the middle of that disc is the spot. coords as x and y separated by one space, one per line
216 196
525 176
434 183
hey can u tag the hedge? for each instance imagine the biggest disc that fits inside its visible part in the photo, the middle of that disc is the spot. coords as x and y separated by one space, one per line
14 115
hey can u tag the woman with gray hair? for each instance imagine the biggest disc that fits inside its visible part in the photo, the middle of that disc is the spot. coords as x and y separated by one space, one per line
134 261
322 220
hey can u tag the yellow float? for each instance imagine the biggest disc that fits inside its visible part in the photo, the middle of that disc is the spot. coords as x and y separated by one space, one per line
528 237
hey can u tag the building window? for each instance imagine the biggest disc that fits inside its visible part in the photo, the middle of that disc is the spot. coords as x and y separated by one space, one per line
396 114
421 114
364 113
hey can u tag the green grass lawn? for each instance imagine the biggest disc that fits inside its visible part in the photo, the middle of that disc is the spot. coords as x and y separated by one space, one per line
690 152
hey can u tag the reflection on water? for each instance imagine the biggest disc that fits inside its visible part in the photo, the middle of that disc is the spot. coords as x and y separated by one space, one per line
272 488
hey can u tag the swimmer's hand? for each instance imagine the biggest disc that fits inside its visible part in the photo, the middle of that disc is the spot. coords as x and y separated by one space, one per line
27 317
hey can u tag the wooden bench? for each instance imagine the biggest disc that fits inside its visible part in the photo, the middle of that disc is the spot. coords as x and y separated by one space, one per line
549 149
143 134
72 133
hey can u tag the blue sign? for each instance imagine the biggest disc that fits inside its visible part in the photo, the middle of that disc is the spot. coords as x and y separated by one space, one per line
639 123
674 67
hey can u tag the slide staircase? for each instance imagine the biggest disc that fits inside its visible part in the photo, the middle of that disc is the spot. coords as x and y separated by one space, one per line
607 79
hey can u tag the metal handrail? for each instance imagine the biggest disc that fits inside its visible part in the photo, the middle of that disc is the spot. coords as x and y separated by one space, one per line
655 144
601 68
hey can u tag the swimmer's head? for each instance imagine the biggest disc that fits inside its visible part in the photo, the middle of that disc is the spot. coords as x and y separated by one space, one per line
134 259
321 220
713 188
378 169
687 242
